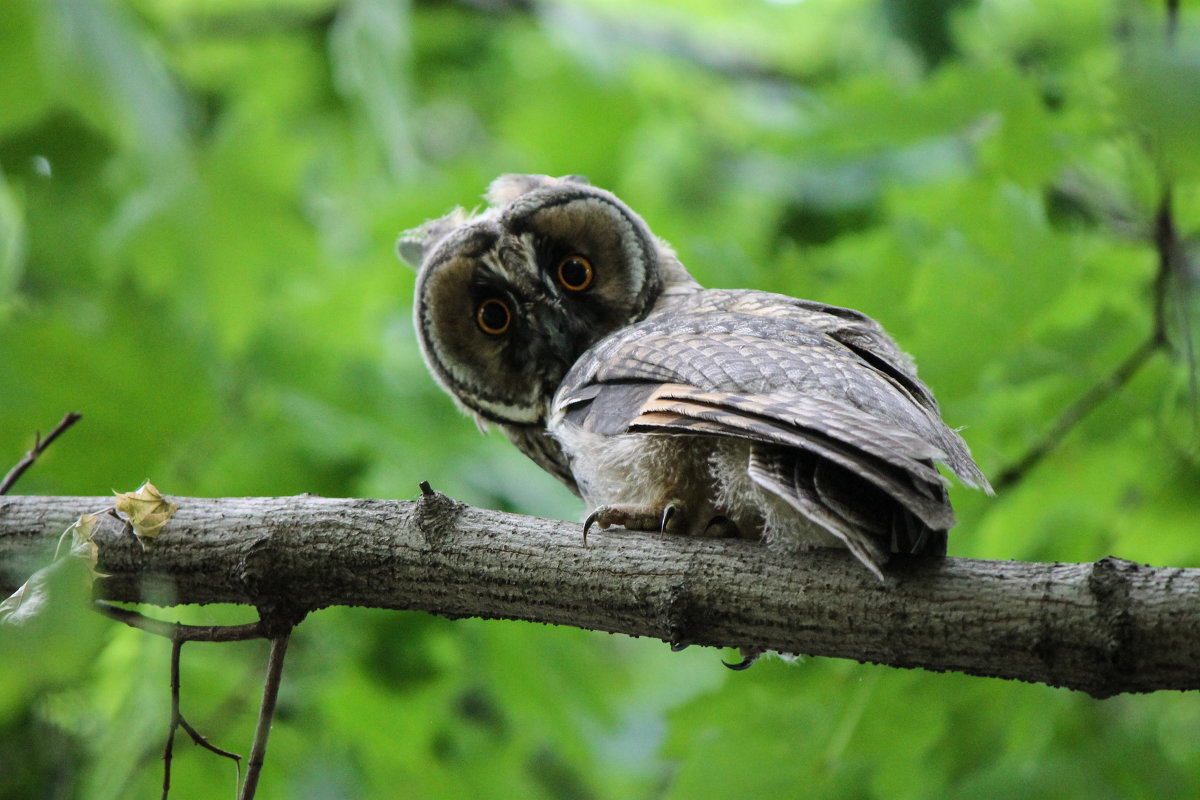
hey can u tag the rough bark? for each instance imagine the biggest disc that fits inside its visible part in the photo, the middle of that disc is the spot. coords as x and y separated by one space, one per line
1103 628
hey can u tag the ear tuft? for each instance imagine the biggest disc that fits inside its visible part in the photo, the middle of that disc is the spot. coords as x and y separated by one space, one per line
411 248
414 244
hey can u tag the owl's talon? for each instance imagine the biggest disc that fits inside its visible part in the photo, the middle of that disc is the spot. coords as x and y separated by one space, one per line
637 518
749 656
668 512
674 517
592 519
678 647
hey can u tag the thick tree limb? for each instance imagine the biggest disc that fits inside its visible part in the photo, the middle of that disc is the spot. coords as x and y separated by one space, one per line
1102 628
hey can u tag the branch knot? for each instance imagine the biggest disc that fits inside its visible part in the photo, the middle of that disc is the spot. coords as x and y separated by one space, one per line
1109 584
436 513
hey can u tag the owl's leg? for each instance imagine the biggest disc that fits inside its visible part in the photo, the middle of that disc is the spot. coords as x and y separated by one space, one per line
670 518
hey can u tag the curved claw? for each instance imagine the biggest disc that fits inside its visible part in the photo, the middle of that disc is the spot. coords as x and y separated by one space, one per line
748 658
588 523
677 647
668 512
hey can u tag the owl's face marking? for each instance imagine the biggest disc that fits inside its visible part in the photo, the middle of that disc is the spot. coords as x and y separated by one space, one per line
507 300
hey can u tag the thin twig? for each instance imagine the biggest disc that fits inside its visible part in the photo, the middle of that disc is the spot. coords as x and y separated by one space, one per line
176 646
1075 412
177 721
177 631
258 750
39 446
203 741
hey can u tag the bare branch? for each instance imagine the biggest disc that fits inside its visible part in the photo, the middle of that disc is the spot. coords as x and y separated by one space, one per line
168 750
178 632
258 751
1077 411
1104 628
203 741
177 720
39 447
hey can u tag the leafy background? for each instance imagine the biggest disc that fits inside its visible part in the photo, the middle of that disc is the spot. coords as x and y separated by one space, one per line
198 202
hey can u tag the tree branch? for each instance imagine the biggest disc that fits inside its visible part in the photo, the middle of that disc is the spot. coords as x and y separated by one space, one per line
178 632
1075 413
266 712
177 722
1103 628
39 447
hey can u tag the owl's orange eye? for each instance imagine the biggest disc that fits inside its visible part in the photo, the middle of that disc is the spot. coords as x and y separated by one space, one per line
493 316
575 273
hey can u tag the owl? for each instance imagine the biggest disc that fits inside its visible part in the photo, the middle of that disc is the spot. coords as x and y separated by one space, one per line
556 315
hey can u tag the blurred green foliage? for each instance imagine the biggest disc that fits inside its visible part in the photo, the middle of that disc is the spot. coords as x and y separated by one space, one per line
198 201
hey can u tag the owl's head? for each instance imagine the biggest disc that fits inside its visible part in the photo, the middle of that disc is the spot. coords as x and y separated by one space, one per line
508 298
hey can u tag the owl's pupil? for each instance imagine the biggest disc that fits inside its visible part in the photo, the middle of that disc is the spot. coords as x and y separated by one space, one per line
575 273
493 316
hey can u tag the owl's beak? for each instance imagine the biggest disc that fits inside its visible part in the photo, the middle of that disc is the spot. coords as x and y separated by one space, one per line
565 343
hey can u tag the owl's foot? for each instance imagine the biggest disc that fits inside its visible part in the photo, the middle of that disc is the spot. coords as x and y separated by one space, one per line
670 518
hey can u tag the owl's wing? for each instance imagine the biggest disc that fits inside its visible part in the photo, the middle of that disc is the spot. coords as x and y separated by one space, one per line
854 332
844 429
780 350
